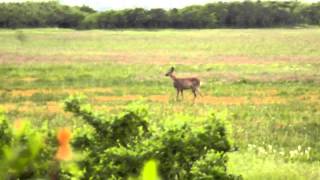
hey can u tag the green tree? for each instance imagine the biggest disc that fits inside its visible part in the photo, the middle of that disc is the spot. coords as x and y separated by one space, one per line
158 18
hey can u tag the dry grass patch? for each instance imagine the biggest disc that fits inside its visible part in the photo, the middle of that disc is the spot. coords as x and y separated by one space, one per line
117 98
30 92
54 107
215 100
28 79
25 93
28 107
310 98
282 78
265 92
159 98
267 100
8 106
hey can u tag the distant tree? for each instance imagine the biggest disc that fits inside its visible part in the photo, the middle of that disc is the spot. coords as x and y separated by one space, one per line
191 17
136 18
221 14
112 19
174 18
87 9
311 14
157 18
263 15
90 21
72 17
247 15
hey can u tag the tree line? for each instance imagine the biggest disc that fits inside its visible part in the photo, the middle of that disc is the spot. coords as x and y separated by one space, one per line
213 15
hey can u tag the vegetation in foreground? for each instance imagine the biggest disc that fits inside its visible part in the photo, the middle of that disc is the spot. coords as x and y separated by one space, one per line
269 87
116 147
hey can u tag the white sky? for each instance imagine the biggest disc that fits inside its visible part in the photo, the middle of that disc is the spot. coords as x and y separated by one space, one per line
122 4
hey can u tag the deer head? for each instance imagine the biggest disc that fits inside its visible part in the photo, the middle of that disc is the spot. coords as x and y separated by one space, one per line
170 71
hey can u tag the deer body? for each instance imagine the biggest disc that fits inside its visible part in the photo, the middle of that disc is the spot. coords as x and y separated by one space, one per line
181 84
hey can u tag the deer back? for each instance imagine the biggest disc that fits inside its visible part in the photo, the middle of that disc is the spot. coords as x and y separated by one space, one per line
186 83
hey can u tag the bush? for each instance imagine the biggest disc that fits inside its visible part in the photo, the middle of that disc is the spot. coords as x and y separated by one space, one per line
28 153
117 146
20 147
211 166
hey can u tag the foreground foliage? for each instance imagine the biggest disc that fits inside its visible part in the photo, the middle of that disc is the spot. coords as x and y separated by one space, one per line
116 147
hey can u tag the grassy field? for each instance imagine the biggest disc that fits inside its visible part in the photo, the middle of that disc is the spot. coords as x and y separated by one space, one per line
267 80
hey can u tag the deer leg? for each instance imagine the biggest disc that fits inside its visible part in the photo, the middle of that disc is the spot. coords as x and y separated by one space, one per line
177 94
194 93
181 92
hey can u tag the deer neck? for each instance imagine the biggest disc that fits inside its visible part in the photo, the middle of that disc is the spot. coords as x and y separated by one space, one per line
173 77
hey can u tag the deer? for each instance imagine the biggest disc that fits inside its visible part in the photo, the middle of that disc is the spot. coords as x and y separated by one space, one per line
181 84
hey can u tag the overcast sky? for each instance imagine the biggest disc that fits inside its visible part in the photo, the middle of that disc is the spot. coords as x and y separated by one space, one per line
122 4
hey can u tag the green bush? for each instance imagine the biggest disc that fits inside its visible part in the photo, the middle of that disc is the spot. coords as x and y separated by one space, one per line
117 146
211 166
20 147
29 153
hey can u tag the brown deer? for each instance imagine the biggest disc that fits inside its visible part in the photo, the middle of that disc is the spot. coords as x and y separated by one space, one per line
184 83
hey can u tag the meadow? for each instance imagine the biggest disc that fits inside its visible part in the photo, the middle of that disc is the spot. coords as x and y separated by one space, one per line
266 80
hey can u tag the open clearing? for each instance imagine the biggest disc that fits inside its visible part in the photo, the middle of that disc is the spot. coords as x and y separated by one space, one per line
268 80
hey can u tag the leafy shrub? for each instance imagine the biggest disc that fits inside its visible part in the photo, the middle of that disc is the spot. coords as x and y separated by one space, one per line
126 128
117 146
211 166
5 132
19 150
28 153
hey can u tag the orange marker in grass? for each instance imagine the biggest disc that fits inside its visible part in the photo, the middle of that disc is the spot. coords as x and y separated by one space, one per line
64 152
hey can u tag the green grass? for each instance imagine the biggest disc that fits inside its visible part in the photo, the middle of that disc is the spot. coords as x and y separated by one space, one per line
269 168
175 43
268 81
